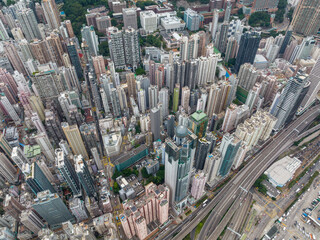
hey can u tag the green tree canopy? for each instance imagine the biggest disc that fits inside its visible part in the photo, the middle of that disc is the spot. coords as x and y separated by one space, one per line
259 19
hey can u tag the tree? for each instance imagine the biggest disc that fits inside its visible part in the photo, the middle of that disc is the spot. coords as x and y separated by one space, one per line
104 48
116 187
259 19
290 14
144 173
114 22
140 71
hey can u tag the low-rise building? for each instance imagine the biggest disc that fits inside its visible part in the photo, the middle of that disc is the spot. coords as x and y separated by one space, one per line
172 24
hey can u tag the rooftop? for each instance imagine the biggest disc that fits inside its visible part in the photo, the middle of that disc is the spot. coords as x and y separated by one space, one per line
31 151
198 115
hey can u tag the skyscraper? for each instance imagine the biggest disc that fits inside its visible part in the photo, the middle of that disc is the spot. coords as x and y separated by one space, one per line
179 155
198 184
51 208
78 209
155 118
228 149
84 176
7 170
116 47
51 13
198 123
185 98
201 153
176 92
248 47
193 19
131 47
131 82
18 157
68 172
31 221
12 206
164 101
28 23
306 17
74 138
288 98
36 179
74 58
89 35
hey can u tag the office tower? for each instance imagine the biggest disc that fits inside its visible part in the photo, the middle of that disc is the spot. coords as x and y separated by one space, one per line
7 170
96 158
164 101
193 19
18 157
131 82
170 125
223 37
198 123
28 23
14 58
36 179
131 47
45 145
248 47
74 58
75 141
51 208
227 12
288 98
198 184
94 90
51 13
84 176
78 209
314 88
31 221
179 154
201 153
228 149
88 34
99 66
116 47
68 172
142 100
185 98
12 207
148 21
130 18
8 109
155 117
285 42
306 17
176 93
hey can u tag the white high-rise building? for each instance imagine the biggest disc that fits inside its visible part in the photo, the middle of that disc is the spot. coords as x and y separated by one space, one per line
185 98
164 101
9 110
142 100
31 221
18 157
78 209
148 21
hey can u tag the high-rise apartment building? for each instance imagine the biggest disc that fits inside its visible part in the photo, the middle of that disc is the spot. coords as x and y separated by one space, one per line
74 138
131 47
7 170
164 101
193 19
12 207
51 13
155 117
28 23
306 17
131 82
31 221
18 157
78 209
116 47
185 98
198 184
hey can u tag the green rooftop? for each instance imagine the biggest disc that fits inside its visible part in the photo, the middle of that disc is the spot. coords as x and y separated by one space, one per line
198 115
216 51
32 151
